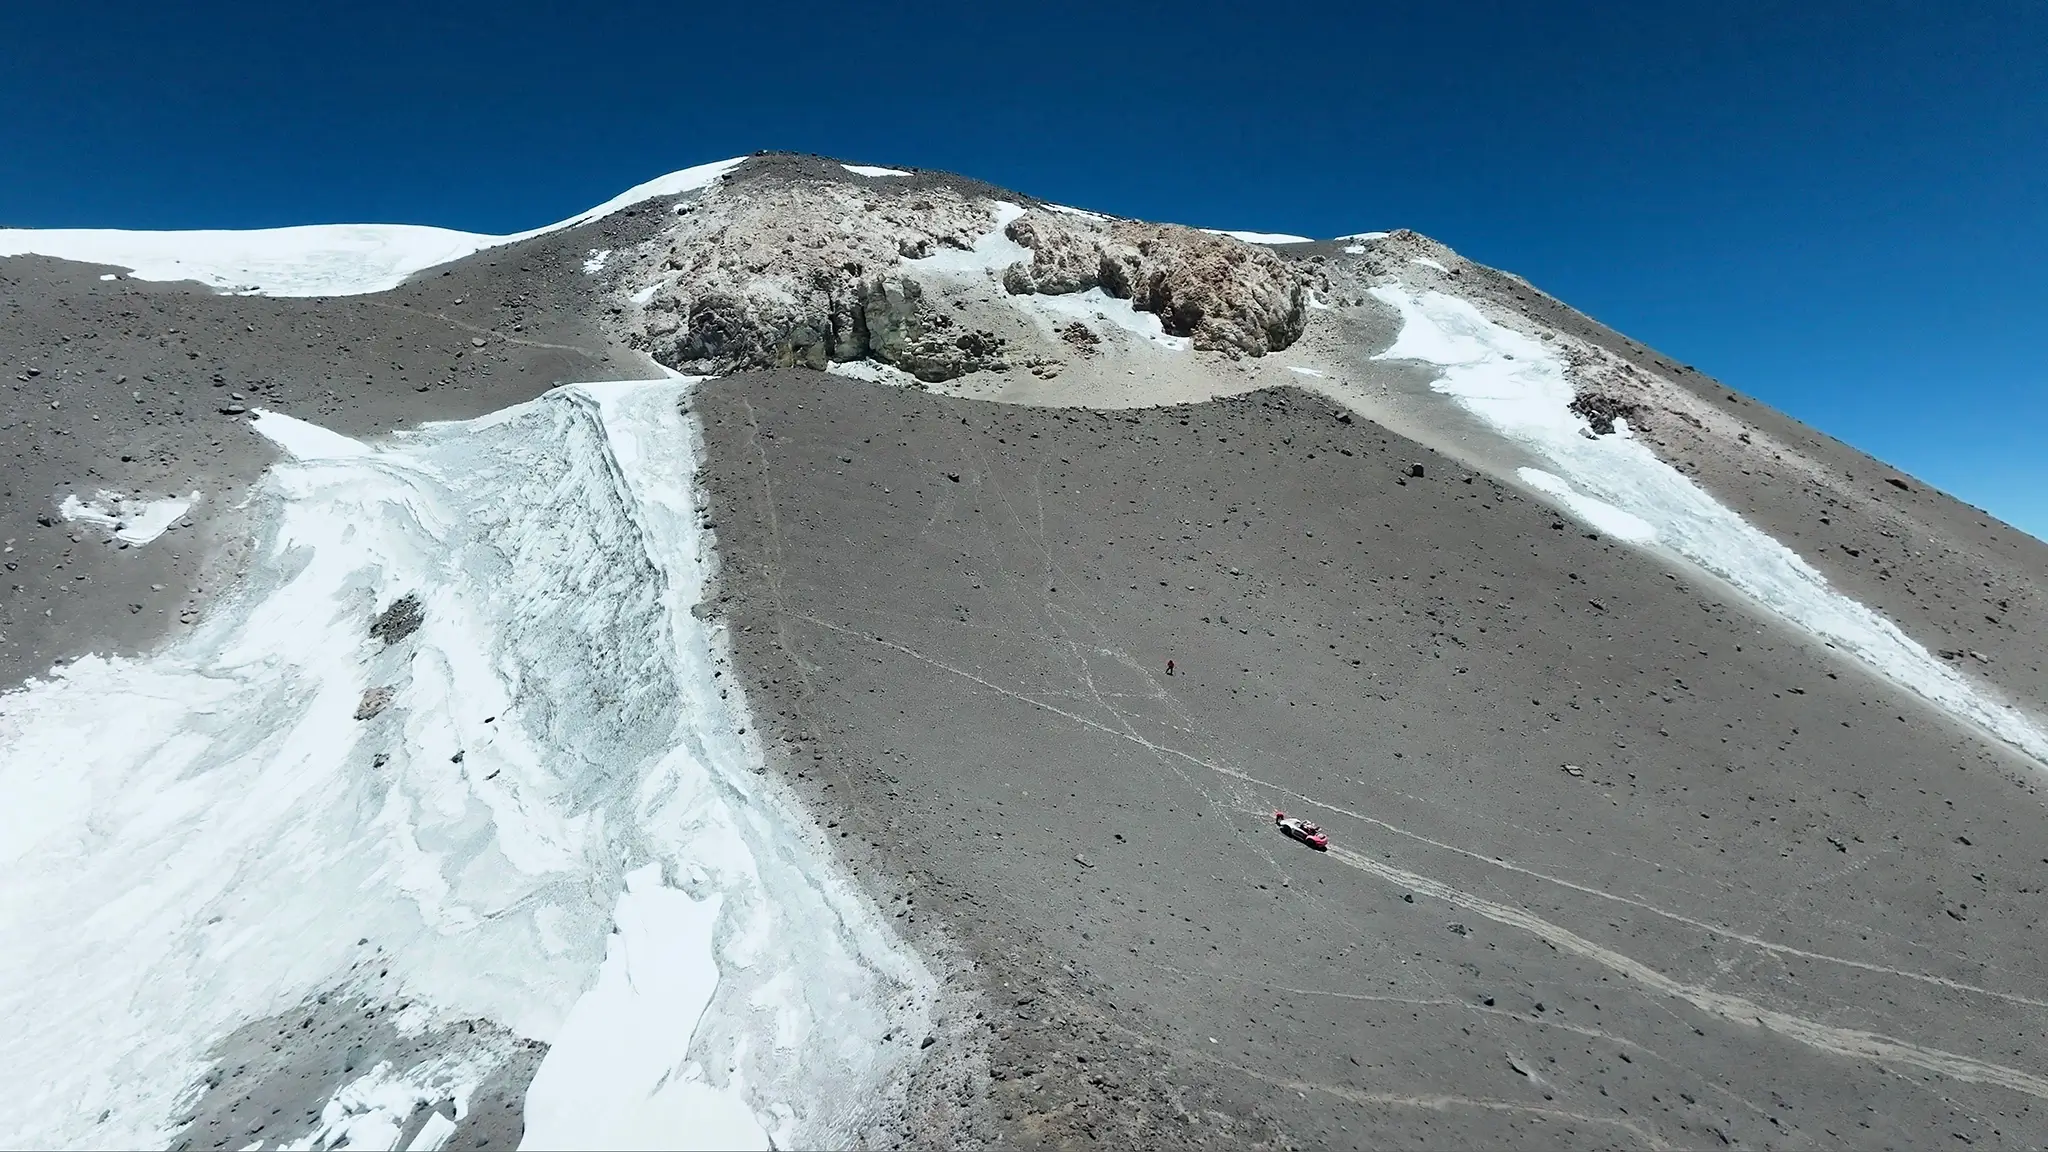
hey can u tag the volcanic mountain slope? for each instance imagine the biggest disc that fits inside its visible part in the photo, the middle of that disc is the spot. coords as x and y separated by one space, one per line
1680 763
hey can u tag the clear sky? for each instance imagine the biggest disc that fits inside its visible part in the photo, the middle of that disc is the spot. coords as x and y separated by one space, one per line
1840 208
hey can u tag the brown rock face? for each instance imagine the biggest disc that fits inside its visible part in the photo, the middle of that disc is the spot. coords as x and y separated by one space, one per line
1228 296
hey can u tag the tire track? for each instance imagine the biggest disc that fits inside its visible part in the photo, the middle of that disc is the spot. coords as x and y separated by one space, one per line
1853 1043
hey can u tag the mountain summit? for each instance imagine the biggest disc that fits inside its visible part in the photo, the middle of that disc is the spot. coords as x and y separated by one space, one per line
809 653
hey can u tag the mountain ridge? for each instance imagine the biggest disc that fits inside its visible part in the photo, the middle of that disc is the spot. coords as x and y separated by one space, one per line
970 496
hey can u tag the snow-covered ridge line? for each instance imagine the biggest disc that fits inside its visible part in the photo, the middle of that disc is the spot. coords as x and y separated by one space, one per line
546 756
1259 237
1518 385
311 259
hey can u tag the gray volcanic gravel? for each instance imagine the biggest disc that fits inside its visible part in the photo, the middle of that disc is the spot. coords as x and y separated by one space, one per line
1593 821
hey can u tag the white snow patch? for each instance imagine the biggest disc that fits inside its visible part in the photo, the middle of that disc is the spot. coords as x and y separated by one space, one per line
371 1111
433 1133
1299 370
1259 237
874 372
1064 210
1095 308
644 296
595 263
1598 513
1426 262
674 184
611 1082
196 840
303 441
312 259
110 275
991 253
309 260
132 520
872 170
1354 249
1366 236
1518 385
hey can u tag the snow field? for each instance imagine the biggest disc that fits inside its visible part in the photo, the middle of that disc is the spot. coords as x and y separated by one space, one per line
1617 484
311 259
553 824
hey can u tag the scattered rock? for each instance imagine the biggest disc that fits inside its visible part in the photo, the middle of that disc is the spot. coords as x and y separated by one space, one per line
1574 770
1415 471
374 700
402 619
1895 482
1599 411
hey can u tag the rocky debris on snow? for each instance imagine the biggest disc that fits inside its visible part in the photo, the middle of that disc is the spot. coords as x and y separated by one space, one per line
402 619
1600 410
374 700
1224 294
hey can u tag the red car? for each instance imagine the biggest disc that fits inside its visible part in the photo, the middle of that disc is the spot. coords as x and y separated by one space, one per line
1302 830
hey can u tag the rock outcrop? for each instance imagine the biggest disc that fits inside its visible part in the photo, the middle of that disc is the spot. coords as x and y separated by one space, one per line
1226 295
807 274
810 275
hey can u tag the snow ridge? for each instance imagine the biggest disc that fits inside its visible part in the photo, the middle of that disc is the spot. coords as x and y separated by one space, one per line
1617 484
310 259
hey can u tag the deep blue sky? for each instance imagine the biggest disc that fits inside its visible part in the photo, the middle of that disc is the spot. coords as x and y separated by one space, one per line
1841 208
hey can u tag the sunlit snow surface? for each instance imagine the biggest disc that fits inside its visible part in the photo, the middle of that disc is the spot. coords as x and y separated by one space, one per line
197 840
131 520
1259 237
311 259
1616 483
992 252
